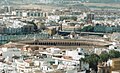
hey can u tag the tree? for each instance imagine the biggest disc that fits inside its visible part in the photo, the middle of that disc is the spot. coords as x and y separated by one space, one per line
92 60
88 29
114 54
104 57
66 18
74 18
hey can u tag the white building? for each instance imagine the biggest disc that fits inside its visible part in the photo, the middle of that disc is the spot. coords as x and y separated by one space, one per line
23 66
29 13
60 1
99 50
10 52
54 18
75 54
53 50
12 26
45 67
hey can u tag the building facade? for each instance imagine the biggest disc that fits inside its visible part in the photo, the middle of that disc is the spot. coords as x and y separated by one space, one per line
29 13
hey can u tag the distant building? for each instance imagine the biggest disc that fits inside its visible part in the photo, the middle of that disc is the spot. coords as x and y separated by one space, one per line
29 13
106 28
90 17
9 26
8 51
54 18
60 1
24 66
7 9
75 54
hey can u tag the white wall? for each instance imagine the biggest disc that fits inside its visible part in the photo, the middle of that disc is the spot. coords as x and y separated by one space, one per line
24 14
10 52
115 72
55 18
13 12
74 54
54 50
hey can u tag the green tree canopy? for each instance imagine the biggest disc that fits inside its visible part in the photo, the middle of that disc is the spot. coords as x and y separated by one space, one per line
88 29
104 57
92 60
114 54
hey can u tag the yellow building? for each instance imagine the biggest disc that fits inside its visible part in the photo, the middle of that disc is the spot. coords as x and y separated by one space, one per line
115 64
51 31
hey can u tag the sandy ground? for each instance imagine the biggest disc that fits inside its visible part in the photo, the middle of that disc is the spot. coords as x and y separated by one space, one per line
43 7
117 5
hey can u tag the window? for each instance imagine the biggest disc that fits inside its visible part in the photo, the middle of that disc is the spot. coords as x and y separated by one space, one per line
115 47
32 14
35 14
79 53
28 14
38 14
